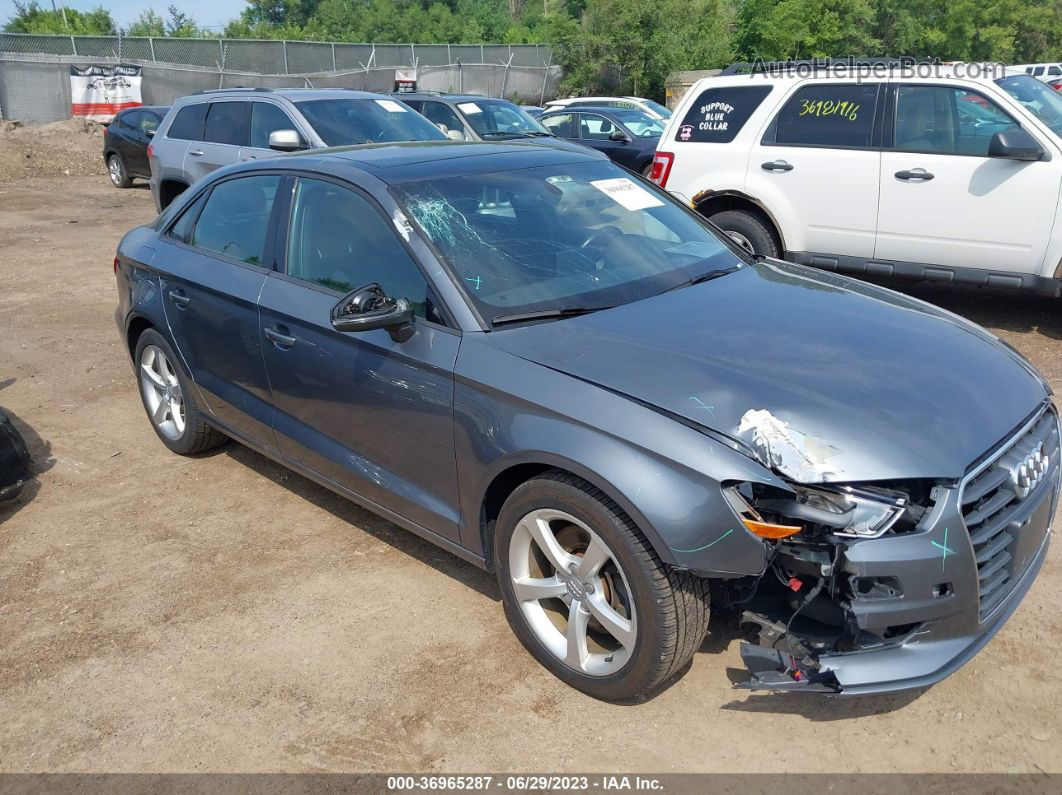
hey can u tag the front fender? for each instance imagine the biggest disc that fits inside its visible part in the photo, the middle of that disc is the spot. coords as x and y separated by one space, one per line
663 474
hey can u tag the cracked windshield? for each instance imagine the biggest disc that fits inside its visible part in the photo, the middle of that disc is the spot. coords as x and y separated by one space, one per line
566 238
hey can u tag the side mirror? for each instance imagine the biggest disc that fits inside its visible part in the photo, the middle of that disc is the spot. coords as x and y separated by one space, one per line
618 135
286 141
1014 145
150 133
369 307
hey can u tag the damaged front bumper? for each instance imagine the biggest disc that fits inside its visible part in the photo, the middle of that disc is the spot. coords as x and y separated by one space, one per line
917 606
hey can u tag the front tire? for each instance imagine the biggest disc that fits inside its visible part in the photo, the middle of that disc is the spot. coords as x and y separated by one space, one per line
169 398
587 595
116 171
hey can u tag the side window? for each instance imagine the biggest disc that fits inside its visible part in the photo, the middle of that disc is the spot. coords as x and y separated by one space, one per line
559 124
340 241
1054 71
442 115
235 218
182 230
129 120
1037 71
227 123
947 120
594 127
149 121
188 124
267 118
828 115
718 114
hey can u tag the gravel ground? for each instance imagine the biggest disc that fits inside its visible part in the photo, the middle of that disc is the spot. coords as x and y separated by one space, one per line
61 149
160 613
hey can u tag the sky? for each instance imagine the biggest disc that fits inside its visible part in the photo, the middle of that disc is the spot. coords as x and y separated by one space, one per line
211 14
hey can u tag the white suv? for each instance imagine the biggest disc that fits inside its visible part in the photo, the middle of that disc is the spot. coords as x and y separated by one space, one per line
948 173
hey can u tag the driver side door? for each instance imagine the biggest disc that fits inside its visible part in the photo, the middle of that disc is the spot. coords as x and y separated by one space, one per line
368 412
595 131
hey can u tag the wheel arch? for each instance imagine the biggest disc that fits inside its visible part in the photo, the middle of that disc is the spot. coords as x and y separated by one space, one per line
170 189
710 202
136 326
509 474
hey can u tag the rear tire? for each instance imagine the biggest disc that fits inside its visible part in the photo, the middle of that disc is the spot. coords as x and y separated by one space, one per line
116 170
618 624
749 231
169 398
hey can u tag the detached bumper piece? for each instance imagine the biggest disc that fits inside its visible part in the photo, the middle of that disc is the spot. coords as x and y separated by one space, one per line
771 669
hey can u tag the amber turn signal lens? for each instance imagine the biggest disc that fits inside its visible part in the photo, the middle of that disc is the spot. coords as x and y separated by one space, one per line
768 530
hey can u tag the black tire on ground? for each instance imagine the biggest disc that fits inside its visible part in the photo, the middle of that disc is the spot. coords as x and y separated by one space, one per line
116 170
671 607
751 228
198 435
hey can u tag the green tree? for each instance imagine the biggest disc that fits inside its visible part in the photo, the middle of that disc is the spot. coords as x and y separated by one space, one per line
31 18
148 23
181 25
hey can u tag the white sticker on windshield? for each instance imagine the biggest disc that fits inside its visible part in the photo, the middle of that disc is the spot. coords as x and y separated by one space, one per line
626 193
390 105
469 107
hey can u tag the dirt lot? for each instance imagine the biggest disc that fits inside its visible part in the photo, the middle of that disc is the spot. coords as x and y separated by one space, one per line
159 613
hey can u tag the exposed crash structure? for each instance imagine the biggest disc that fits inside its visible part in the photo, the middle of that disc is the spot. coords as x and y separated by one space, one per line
889 585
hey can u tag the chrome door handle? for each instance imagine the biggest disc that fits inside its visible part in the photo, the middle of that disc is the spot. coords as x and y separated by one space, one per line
776 165
196 152
179 298
914 175
279 338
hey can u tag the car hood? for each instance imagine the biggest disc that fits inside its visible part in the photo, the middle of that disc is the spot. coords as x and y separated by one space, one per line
822 378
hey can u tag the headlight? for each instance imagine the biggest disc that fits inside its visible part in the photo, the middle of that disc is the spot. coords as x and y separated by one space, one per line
842 510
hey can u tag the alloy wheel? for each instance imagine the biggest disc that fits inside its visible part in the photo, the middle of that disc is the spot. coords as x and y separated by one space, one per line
162 392
742 241
572 592
114 168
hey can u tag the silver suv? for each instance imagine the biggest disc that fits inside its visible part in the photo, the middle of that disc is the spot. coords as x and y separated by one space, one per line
212 129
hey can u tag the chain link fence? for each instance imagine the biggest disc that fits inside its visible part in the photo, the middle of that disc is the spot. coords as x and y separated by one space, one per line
35 85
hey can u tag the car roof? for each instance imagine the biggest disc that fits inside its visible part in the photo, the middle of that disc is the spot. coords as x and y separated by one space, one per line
451 97
594 109
290 94
413 161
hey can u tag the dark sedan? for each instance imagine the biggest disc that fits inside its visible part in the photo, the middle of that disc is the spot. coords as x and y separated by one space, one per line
628 137
554 370
125 143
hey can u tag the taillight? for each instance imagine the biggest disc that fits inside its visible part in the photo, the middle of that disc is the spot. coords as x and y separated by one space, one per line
115 264
661 168
151 150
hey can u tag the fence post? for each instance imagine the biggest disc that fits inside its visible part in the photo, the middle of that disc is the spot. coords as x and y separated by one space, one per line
545 75
285 56
505 75
151 44
73 45
119 45
334 67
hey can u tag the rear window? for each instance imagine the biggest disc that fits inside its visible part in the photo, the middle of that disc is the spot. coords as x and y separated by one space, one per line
188 124
823 115
227 123
719 113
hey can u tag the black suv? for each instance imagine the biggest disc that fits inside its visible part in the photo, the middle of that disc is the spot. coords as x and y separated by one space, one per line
125 143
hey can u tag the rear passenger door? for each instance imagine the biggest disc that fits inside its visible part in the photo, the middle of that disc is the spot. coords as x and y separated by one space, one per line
816 166
225 131
214 270
369 413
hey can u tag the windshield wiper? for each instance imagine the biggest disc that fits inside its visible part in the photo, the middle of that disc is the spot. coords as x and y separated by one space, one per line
547 314
500 132
704 277
540 134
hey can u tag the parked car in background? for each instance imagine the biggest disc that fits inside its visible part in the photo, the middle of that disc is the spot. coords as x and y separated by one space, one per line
647 106
126 140
627 136
565 376
1044 71
212 129
467 117
534 111
1055 83
915 175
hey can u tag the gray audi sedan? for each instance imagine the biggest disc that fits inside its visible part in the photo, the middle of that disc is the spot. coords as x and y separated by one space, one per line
547 366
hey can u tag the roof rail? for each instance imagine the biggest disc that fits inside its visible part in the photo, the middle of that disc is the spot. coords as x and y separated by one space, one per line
232 88
851 62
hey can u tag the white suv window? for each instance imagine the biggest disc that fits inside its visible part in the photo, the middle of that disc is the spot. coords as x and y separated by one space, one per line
835 116
947 120
718 114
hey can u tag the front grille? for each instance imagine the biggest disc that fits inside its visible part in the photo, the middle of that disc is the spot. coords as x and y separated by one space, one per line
991 505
